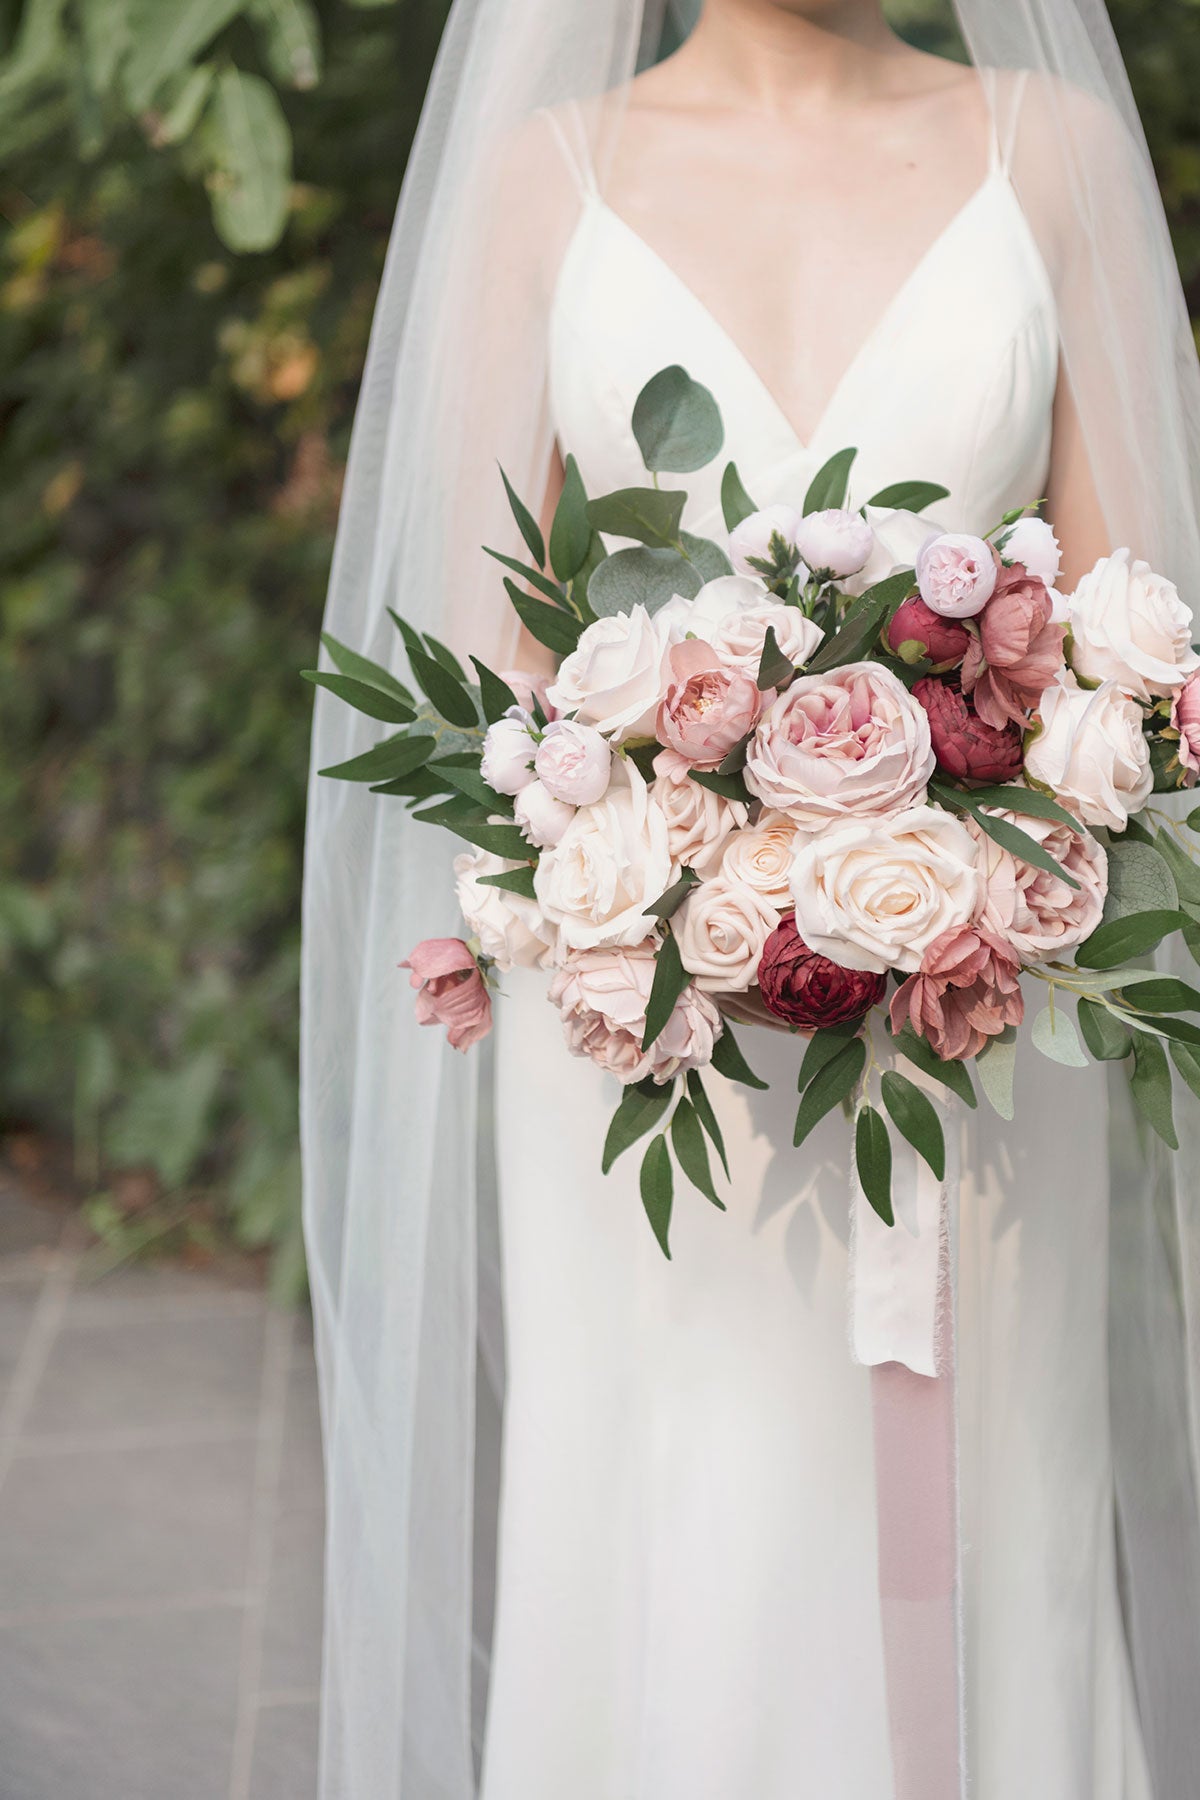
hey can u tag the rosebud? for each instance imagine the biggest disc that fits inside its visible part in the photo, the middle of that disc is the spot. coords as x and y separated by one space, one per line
834 542
808 990
964 746
943 641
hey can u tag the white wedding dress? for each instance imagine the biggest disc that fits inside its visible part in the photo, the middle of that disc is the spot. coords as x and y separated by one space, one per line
687 1605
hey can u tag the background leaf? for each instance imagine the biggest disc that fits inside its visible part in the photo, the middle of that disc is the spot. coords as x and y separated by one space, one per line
873 1161
658 1191
249 149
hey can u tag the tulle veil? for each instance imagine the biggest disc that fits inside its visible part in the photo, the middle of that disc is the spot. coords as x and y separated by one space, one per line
399 1199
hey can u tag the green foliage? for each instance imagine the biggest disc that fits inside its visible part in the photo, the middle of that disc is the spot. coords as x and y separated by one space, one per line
175 422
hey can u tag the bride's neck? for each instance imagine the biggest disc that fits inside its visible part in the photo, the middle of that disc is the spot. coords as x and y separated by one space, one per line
765 54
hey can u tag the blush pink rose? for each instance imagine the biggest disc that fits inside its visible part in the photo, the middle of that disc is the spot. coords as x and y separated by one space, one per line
699 822
1185 716
956 574
1033 910
452 990
943 641
708 707
1018 652
967 991
530 689
602 996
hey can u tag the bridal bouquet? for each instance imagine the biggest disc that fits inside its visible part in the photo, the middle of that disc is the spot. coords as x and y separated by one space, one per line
844 765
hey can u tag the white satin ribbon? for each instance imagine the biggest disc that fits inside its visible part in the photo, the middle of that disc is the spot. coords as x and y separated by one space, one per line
895 1269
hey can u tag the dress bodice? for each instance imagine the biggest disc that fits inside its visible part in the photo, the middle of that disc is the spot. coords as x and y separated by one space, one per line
954 383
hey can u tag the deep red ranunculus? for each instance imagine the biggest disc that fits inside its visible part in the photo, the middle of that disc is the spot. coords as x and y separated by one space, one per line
964 746
945 640
808 990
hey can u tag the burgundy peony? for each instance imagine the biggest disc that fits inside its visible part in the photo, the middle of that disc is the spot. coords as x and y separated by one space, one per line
944 641
964 745
1019 649
808 990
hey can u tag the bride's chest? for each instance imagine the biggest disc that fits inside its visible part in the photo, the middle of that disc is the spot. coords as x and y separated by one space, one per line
944 369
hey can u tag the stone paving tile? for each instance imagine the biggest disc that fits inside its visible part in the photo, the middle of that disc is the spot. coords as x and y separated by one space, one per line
120 1709
156 1372
291 1655
18 1300
113 1526
285 1753
24 1225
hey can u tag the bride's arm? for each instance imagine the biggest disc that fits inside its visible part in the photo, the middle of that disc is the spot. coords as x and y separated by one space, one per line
1072 504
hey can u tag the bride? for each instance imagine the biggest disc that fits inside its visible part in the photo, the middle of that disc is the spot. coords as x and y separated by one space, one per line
670 1567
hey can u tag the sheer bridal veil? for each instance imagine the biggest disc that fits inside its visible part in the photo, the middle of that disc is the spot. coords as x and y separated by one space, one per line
398 1207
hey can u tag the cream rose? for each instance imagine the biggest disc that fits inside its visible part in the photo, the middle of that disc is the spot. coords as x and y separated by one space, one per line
614 678
761 858
876 893
721 929
1129 625
848 743
738 639
1091 752
717 601
611 863
602 996
1032 910
509 927
699 822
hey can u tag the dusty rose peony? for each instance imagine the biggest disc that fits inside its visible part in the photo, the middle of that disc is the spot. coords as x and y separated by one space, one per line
602 996
964 746
848 744
943 641
1185 716
808 990
1018 652
699 822
1032 910
452 990
967 991
708 707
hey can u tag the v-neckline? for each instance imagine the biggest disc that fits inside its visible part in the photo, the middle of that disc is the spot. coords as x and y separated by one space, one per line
805 443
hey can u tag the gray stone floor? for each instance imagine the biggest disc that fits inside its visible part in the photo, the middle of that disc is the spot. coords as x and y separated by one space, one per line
160 1530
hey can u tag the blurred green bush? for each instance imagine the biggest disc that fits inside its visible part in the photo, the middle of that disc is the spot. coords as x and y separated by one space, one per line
195 203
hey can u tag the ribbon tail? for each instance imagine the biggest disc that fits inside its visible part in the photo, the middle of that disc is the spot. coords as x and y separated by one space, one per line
903 1327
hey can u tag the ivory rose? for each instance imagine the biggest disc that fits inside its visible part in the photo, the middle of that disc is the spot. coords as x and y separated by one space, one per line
1018 650
1090 751
611 863
762 857
541 817
716 602
1129 625
1032 542
1185 716
956 573
875 893
839 745
1033 911
834 542
764 540
699 822
615 676
707 708
721 929
509 927
573 762
508 749
738 638
602 996
453 992
968 990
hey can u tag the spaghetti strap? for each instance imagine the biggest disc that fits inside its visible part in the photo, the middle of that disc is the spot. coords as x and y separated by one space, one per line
1004 100
567 124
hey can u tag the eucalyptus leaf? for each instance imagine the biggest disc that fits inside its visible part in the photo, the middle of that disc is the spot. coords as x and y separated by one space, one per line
1002 831
1184 867
915 1117
677 423
706 1116
829 1086
658 1191
828 486
511 881
862 623
640 1109
691 1151
1139 880
706 557
527 525
826 1042
736 503
1150 1084
873 1162
1104 1034
953 1074
669 902
1013 797
349 662
363 696
774 668
571 531
641 577
495 695
909 496
670 979
1186 1058
449 696
1165 994
727 1060
550 625
651 515
1110 944
387 761
1054 1034
996 1066
528 573
730 787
